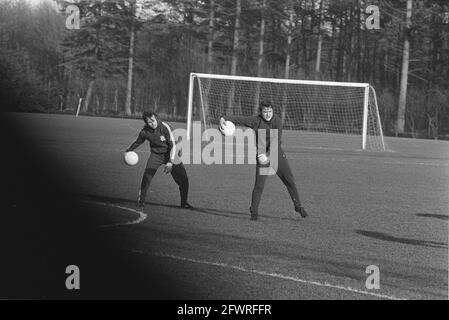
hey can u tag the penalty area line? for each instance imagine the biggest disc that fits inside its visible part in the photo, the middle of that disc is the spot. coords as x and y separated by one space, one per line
269 274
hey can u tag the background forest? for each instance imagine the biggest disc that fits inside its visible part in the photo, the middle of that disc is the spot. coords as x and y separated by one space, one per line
128 56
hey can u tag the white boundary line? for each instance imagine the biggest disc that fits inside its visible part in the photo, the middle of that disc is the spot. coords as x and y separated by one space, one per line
270 274
141 218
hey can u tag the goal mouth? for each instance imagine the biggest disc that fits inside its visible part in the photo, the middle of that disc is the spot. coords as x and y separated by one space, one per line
322 114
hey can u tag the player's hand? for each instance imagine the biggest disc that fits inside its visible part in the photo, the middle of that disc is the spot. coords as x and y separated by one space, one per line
263 159
222 123
168 168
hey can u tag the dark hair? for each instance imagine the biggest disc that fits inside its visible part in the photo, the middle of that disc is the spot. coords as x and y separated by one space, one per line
265 104
148 114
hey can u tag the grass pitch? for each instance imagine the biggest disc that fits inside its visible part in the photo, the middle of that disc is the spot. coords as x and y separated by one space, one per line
385 209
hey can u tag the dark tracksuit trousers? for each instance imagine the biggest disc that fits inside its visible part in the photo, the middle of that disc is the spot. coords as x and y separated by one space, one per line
178 173
284 173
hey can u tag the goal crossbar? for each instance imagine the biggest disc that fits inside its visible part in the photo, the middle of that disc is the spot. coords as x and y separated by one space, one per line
277 80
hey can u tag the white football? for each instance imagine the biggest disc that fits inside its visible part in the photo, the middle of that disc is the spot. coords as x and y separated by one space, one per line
131 158
262 159
229 128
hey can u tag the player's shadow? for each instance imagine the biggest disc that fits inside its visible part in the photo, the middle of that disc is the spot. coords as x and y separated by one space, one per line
211 211
436 216
216 212
415 242
225 213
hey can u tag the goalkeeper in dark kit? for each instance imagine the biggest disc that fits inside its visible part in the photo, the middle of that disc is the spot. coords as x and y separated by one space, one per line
163 151
263 122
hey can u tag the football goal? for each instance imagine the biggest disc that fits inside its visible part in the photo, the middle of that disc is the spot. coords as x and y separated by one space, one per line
315 114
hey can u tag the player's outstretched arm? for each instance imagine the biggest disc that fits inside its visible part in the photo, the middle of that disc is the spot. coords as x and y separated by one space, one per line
249 121
140 139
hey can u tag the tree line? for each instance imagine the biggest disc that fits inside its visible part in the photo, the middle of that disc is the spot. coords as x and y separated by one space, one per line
132 55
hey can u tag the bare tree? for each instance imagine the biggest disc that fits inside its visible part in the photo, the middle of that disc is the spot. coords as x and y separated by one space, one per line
289 29
404 74
320 41
235 49
211 36
261 53
129 87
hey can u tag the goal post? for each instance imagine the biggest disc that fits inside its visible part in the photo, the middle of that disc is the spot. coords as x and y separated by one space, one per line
315 114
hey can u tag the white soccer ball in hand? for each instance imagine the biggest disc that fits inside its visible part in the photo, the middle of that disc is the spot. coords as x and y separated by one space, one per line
262 159
228 129
131 158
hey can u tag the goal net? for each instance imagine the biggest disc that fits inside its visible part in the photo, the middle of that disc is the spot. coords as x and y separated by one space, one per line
315 114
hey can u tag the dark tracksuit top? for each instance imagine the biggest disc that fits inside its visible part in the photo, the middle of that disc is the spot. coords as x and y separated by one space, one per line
161 140
259 123
283 171
163 150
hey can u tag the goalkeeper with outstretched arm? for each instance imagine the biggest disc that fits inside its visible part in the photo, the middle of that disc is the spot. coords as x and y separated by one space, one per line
267 120
163 152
